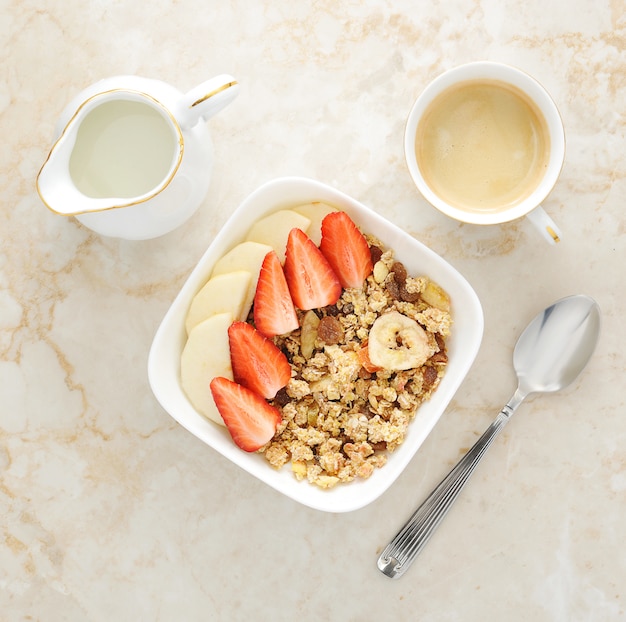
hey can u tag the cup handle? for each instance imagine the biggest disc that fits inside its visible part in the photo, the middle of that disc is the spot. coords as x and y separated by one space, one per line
206 100
546 226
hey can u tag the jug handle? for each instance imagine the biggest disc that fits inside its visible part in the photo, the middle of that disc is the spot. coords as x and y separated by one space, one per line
206 100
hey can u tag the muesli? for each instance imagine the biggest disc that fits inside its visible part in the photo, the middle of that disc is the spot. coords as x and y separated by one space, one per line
341 414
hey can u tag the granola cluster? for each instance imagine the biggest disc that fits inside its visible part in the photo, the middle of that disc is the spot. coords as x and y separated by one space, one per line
339 419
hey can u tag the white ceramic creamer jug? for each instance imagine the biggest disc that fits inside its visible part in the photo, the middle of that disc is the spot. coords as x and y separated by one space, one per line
132 157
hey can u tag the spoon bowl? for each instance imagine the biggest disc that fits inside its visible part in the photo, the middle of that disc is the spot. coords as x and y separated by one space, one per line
556 345
549 355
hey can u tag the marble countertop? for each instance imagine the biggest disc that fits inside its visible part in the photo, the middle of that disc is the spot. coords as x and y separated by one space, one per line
109 510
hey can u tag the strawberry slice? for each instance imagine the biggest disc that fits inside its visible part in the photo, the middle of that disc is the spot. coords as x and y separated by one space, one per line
274 313
251 421
257 363
312 281
346 249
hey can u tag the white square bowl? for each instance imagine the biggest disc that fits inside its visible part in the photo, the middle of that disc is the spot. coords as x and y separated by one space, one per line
462 345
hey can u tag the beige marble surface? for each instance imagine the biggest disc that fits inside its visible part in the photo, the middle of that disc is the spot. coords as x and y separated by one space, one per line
111 511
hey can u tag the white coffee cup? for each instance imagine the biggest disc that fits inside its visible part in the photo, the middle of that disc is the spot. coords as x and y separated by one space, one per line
485 144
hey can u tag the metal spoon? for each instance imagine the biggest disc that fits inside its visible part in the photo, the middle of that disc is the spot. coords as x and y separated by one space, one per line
549 355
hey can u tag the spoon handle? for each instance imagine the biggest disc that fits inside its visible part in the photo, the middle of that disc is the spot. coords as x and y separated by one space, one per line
411 539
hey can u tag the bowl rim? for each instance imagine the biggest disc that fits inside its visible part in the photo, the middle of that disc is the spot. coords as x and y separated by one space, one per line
463 345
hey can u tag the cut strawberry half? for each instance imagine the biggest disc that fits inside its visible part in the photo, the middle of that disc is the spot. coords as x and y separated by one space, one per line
274 313
257 363
312 281
346 249
251 421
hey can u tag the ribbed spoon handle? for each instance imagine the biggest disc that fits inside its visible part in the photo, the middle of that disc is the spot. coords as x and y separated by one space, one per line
411 539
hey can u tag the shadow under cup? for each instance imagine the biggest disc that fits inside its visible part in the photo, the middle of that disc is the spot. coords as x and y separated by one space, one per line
485 144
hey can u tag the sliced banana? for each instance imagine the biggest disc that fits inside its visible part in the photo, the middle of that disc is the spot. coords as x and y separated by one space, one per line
396 342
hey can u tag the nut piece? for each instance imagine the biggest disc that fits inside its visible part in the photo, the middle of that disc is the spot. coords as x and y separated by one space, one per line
436 297
380 271
308 334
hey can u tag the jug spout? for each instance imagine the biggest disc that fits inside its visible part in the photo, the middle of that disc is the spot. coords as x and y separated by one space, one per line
55 186
118 149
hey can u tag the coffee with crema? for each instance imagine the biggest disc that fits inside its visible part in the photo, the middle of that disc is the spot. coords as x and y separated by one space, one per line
482 146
